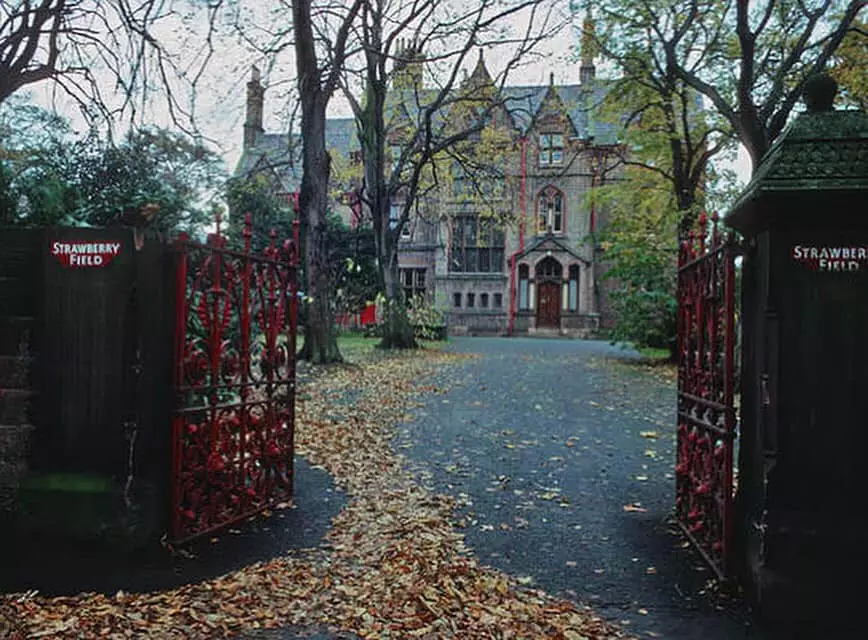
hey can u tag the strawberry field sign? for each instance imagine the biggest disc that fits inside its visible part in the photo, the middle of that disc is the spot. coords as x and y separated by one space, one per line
85 254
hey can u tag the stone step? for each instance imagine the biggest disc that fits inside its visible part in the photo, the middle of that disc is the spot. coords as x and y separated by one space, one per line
15 372
15 331
545 332
15 406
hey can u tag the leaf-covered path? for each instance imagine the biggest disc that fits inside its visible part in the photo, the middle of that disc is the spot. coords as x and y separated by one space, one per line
561 457
392 565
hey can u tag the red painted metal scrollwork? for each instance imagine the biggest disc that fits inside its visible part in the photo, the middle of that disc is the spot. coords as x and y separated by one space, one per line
706 391
232 432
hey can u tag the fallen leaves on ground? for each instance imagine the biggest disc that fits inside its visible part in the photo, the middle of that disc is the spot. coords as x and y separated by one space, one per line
392 565
634 508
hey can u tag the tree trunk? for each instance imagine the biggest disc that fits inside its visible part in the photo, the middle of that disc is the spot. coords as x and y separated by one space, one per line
315 87
397 330
753 135
320 337
687 216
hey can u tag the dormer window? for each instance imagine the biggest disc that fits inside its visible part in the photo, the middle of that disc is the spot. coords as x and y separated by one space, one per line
551 149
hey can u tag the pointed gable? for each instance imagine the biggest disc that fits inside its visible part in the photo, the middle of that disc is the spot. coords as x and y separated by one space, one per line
553 112
549 242
480 76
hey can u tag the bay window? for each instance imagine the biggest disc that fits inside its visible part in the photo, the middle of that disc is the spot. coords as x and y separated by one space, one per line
477 246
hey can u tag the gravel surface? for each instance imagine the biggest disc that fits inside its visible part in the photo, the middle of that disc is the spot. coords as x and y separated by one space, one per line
546 442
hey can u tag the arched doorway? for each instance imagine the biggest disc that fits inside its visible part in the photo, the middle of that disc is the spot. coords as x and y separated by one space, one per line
549 277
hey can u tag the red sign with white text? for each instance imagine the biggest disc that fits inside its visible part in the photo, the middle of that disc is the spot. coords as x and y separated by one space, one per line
84 254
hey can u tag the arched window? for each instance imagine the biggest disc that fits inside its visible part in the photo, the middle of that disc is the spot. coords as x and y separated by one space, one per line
549 268
523 278
550 210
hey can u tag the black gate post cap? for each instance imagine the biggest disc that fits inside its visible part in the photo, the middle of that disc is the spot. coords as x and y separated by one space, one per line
819 93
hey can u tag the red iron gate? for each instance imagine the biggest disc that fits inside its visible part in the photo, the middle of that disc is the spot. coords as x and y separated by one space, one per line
706 389
233 425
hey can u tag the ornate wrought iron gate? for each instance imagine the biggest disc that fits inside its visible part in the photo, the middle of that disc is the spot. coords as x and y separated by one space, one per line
232 432
706 391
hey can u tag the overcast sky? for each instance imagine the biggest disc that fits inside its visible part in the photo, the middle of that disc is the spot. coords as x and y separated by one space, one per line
220 99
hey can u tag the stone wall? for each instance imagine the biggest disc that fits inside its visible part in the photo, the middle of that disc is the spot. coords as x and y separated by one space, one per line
478 323
580 325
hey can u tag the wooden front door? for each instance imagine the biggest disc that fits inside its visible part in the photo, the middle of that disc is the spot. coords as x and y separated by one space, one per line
548 308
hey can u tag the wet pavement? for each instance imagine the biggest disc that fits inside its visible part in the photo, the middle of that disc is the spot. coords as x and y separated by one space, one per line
563 458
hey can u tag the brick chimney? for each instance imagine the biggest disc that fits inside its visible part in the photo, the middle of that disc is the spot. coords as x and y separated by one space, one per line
587 70
409 64
255 101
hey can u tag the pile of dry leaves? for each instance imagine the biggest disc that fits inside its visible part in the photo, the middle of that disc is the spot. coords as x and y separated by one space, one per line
392 565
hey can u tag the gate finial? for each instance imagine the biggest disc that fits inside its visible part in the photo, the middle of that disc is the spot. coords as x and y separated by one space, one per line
819 93
715 229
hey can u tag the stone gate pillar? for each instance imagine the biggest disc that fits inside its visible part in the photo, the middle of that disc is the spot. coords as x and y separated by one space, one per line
802 526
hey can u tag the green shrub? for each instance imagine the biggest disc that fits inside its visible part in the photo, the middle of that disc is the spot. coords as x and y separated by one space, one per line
428 321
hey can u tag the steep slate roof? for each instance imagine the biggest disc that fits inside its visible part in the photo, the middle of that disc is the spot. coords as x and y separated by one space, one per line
283 154
523 103
480 75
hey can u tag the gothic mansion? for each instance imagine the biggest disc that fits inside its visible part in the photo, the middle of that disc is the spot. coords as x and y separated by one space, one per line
541 274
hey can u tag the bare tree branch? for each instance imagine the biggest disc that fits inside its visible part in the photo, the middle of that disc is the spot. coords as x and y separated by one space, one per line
87 46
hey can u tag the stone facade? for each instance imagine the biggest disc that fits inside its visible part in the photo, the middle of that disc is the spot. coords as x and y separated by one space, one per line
541 273
537 270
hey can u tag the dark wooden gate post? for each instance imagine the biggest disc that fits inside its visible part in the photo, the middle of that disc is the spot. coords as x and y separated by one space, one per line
98 463
802 529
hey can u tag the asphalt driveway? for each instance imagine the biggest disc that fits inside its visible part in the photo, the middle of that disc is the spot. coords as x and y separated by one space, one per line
562 457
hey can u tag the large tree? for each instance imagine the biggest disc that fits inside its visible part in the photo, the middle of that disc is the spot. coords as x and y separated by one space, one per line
406 126
750 59
849 65
664 128
639 244
110 56
317 80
